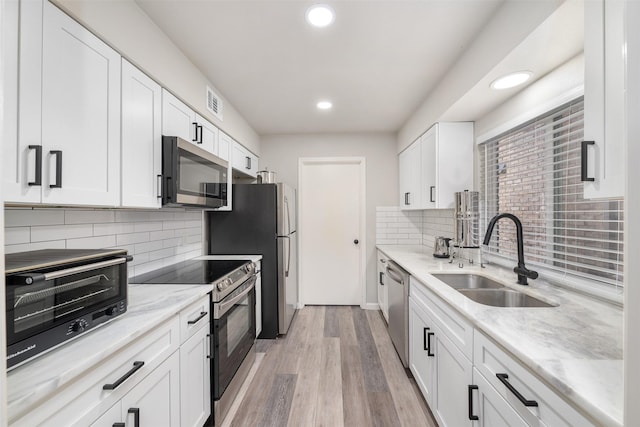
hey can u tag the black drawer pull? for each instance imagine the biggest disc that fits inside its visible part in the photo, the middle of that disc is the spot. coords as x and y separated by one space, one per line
504 379
197 319
136 366
380 280
584 174
470 391
431 199
119 425
136 416
38 180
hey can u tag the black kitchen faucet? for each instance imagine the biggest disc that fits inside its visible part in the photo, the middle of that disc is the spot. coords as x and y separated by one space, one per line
522 271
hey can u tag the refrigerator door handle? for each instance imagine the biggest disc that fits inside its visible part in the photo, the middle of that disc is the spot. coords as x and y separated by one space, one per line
286 206
286 270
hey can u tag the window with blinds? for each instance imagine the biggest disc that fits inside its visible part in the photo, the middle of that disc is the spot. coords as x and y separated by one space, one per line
533 172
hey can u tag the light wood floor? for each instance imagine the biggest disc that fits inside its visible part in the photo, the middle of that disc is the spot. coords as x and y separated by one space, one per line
335 367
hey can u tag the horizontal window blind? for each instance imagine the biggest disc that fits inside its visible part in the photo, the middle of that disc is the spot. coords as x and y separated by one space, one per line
533 172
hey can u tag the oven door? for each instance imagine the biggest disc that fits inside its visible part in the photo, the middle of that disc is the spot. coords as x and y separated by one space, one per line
234 333
192 176
58 303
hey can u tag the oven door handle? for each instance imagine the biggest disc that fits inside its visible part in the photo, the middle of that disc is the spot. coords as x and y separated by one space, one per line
30 278
221 308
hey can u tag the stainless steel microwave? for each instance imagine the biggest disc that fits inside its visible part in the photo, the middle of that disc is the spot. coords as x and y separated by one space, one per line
192 176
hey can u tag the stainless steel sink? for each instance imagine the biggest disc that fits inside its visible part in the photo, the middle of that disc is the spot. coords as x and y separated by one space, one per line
503 298
468 281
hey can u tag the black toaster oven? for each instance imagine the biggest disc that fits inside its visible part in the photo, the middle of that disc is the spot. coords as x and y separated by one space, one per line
55 295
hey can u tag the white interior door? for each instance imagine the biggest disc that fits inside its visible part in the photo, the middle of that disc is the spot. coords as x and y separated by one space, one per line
331 226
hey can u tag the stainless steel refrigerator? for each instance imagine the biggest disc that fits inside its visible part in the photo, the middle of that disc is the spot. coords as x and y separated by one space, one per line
263 221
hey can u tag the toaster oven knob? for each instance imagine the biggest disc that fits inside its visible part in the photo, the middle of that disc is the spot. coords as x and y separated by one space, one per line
78 326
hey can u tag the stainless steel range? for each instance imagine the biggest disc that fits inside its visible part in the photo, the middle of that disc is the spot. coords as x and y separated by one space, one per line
233 320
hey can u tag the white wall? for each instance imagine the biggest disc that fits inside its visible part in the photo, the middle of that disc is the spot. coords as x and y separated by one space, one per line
155 238
511 24
280 153
632 231
125 26
556 88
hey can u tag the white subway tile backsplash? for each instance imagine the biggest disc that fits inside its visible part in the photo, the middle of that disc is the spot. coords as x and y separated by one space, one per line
17 235
88 216
155 237
56 244
91 242
59 232
114 228
29 217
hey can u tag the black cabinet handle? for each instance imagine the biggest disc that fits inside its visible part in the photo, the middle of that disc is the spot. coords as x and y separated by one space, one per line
58 155
429 335
118 425
584 174
406 199
433 187
195 132
504 379
248 162
210 355
380 279
136 416
200 128
136 366
470 390
424 339
38 180
197 319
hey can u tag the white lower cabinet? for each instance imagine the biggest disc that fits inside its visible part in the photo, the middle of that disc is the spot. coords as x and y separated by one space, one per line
468 380
442 372
195 379
383 293
153 402
488 408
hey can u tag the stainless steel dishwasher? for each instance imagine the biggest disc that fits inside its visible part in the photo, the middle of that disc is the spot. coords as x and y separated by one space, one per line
398 294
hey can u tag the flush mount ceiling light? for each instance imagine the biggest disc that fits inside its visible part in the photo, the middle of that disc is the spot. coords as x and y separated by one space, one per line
511 80
320 15
324 105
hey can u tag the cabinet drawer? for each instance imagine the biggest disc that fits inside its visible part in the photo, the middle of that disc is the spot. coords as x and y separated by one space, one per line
552 410
84 399
193 318
452 324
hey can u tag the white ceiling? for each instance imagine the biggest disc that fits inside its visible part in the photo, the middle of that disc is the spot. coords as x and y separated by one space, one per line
377 63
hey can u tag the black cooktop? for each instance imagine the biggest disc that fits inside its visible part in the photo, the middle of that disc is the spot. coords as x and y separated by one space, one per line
192 272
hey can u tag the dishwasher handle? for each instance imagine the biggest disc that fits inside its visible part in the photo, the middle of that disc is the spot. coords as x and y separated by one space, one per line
395 274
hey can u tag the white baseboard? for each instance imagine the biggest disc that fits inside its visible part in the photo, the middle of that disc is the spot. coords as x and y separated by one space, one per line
370 306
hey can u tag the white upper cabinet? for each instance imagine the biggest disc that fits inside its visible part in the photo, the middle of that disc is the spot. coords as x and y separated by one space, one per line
68 152
603 169
177 118
243 160
14 163
141 139
207 136
436 166
410 178
447 159
224 146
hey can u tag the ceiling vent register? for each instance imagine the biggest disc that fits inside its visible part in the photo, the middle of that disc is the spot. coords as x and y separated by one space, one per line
214 103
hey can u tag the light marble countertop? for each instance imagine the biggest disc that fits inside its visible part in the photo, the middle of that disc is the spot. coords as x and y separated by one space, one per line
148 307
576 347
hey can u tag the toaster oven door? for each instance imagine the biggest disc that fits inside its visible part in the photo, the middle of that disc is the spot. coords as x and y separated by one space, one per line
67 300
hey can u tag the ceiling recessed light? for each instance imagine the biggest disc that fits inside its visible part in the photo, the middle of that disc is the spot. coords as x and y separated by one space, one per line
320 15
324 105
511 80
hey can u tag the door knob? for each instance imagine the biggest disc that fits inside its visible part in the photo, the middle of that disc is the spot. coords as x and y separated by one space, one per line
356 241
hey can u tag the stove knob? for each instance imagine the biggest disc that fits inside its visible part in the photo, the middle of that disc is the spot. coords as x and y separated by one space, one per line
78 326
250 268
224 284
